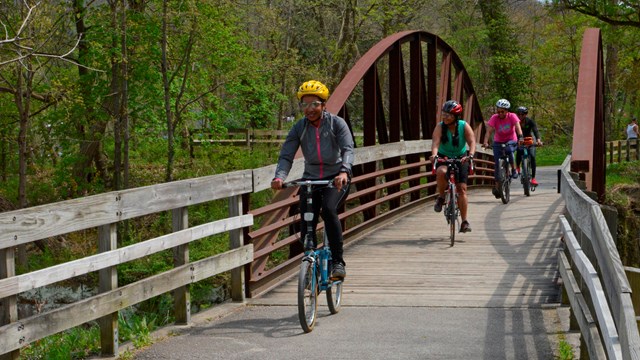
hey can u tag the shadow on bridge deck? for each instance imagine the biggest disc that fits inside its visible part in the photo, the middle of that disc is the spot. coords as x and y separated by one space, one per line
409 295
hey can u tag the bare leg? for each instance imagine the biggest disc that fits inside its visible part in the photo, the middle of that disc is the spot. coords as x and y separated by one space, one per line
441 180
462 200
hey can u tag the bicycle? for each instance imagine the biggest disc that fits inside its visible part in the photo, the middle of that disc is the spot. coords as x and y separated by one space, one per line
451 209
504 174
525 175
315 266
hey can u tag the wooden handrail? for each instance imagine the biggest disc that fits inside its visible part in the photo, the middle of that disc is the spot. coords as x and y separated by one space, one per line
590 246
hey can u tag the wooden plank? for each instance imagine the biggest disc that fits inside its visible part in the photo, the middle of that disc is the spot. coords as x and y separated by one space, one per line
39 222
580 309
35 279
598 297
25 331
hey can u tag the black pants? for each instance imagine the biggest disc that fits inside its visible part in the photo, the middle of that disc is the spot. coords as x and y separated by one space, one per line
328 200
532 157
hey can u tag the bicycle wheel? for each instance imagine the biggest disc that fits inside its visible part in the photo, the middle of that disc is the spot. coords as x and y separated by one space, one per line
451 212
307 296
526 179
334 296
506 182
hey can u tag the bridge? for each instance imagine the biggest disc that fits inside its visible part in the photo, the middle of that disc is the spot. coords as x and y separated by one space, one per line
386 220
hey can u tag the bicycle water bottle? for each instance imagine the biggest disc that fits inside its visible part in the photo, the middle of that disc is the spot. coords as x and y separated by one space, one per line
324 265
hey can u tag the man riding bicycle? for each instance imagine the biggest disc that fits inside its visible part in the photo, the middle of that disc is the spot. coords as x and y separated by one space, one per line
529 129
327 147
447 141
507 131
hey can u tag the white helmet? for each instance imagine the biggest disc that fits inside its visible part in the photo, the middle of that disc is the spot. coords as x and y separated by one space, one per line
503 103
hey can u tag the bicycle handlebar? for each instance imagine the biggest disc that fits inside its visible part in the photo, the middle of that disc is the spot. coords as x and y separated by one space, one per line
328 183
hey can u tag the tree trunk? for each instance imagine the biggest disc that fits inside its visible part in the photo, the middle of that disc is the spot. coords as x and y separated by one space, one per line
90 151
167 93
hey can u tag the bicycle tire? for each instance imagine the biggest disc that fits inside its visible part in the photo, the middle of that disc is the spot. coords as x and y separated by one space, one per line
451 213
526 179
505 193
334 296
308 289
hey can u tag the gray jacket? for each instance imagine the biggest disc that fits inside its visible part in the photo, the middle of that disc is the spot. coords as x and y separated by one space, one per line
327 150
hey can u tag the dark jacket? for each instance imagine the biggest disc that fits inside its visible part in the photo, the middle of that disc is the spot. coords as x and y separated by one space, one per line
327 150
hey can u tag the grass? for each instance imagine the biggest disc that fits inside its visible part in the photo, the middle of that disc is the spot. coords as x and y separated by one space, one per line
554 154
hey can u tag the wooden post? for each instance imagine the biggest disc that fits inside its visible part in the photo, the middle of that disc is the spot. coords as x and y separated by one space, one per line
9 312
619 151
628 147
181 296
236 240
633 275
610 152
108 278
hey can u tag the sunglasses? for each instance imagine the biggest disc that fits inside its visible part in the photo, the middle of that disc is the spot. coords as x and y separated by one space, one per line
313 104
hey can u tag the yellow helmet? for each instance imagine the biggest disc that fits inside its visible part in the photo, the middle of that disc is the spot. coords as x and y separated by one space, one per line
313 87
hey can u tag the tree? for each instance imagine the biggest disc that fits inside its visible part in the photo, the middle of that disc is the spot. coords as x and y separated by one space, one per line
623 13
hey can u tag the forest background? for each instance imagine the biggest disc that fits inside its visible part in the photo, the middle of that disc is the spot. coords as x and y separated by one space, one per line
101 95
92 92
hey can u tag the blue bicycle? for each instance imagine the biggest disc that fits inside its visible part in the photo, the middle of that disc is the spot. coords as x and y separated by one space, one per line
315 268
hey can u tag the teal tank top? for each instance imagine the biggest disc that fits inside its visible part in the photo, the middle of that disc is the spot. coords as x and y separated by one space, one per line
447 148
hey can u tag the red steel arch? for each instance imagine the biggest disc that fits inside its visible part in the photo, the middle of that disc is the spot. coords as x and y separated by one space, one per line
402 100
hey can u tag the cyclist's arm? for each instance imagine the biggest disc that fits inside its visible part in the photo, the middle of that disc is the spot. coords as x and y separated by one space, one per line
519 132
536 133
471 139
487 136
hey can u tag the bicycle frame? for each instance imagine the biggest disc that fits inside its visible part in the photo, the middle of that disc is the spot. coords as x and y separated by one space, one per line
505 168
451 209
314 269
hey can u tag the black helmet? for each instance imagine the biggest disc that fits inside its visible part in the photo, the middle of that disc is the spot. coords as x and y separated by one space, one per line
522 110
452 107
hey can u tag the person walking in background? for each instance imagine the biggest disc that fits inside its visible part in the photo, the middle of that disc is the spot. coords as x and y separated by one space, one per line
327 147
529 129
507 131
632 129
450 139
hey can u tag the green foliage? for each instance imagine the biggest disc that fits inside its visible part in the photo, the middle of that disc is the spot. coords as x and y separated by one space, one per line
76 343
566 351
554 154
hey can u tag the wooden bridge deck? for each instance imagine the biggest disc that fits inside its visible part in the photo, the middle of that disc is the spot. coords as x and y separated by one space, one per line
507 261
409 295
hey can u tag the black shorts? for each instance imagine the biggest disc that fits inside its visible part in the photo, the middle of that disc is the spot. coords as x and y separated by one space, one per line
463 174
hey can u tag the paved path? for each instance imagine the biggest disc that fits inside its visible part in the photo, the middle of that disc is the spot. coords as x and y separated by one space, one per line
410 295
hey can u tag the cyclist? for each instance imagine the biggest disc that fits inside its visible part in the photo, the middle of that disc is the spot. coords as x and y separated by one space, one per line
451 138
632 129
529 129
507 131
327 146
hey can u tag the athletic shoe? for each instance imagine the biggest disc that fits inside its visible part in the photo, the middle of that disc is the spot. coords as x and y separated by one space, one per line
465 227
514 174
438 205
495 193
338 271
534 182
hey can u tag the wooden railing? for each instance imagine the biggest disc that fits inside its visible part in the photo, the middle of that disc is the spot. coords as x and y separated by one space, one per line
378 194
622 150
594 279
104 212
246 137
